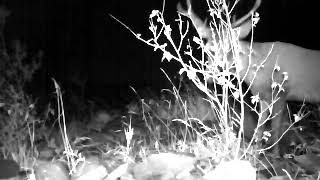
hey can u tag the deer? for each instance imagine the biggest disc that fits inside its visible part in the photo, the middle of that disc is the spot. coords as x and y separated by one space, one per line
262 63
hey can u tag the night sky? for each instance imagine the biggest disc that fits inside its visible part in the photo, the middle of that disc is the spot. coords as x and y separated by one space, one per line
79 36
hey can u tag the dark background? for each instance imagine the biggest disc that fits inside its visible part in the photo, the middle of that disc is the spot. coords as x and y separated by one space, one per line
78 36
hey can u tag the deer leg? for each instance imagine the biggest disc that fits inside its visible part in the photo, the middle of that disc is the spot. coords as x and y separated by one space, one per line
280 116
276 123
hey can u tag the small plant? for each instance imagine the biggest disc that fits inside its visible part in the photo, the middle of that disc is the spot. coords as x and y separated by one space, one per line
208 67
72 156
19 125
